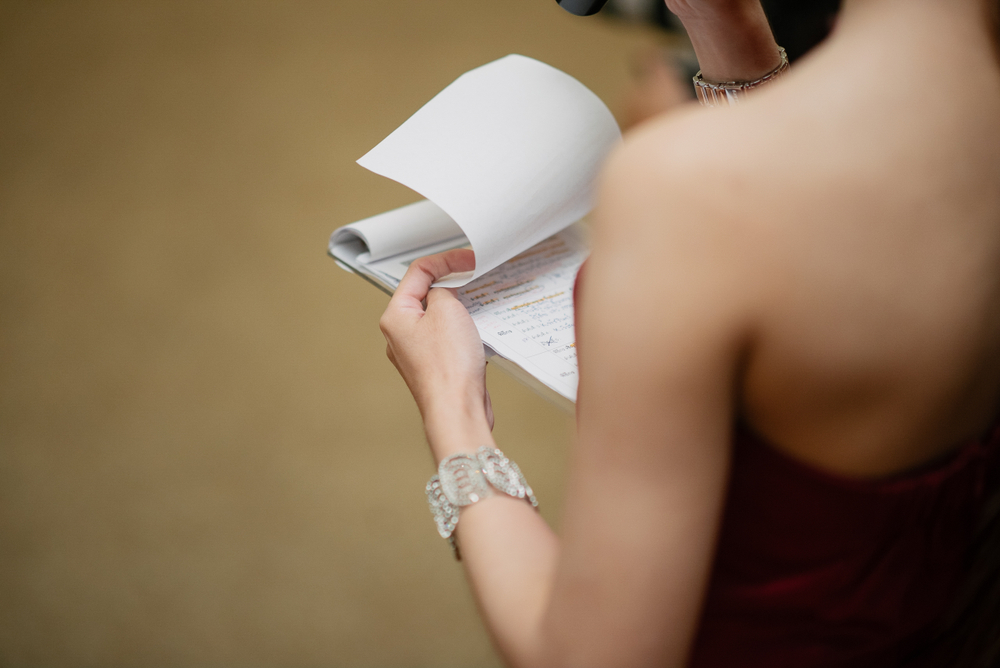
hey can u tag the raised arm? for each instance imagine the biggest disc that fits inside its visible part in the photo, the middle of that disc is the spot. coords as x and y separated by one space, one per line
731 38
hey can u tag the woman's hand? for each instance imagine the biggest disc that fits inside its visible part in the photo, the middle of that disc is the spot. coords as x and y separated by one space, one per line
436 348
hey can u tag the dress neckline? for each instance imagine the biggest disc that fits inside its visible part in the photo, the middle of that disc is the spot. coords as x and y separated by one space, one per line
930 474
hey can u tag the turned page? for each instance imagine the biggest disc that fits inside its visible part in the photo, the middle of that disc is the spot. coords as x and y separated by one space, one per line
509 152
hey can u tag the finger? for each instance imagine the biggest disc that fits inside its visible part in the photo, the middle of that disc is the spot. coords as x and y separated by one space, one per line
422 273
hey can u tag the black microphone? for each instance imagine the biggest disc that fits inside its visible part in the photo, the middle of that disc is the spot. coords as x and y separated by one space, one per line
582 7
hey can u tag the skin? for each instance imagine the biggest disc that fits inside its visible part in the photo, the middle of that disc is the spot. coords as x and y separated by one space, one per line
823 263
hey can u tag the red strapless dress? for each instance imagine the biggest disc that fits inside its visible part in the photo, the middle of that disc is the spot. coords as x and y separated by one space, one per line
817 570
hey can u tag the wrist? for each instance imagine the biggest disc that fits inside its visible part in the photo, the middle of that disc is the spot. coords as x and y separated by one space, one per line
719 11
733 40
456 423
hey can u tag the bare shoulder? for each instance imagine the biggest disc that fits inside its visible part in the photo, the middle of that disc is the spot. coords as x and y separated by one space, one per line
688 203
675 254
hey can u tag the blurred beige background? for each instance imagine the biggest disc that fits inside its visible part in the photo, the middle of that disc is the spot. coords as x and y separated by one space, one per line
205 458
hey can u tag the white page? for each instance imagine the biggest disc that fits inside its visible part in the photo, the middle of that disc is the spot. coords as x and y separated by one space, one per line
509 150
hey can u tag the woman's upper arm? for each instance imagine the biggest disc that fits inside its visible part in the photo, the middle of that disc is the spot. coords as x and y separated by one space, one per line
662 330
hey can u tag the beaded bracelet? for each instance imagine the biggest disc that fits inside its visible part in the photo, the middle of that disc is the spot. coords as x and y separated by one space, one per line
463 479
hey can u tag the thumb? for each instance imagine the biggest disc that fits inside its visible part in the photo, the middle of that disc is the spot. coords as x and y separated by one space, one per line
439 298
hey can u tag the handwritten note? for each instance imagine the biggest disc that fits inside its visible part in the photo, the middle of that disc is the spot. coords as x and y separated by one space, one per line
524 309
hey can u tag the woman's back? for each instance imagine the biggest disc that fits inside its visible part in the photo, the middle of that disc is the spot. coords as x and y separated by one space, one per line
862 202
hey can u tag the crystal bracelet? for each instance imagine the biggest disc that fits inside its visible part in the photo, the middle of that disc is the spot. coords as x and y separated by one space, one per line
463 479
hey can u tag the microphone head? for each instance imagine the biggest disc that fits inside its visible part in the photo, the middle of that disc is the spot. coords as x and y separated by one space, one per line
582 7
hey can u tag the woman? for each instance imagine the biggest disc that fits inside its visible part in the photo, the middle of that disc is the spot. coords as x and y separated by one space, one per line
784 464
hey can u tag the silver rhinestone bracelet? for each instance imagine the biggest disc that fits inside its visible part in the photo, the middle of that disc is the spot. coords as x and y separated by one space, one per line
463 479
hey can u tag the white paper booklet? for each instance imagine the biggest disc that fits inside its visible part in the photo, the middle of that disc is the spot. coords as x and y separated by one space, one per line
506 157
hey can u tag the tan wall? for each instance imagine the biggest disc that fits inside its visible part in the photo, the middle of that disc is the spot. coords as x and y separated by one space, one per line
205 458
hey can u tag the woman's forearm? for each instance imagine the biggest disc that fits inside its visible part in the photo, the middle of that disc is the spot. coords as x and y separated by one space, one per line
455 422
508 551
732 38
510 555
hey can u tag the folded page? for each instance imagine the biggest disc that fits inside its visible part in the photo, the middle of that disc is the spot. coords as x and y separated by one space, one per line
509 150
399 231
392 269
